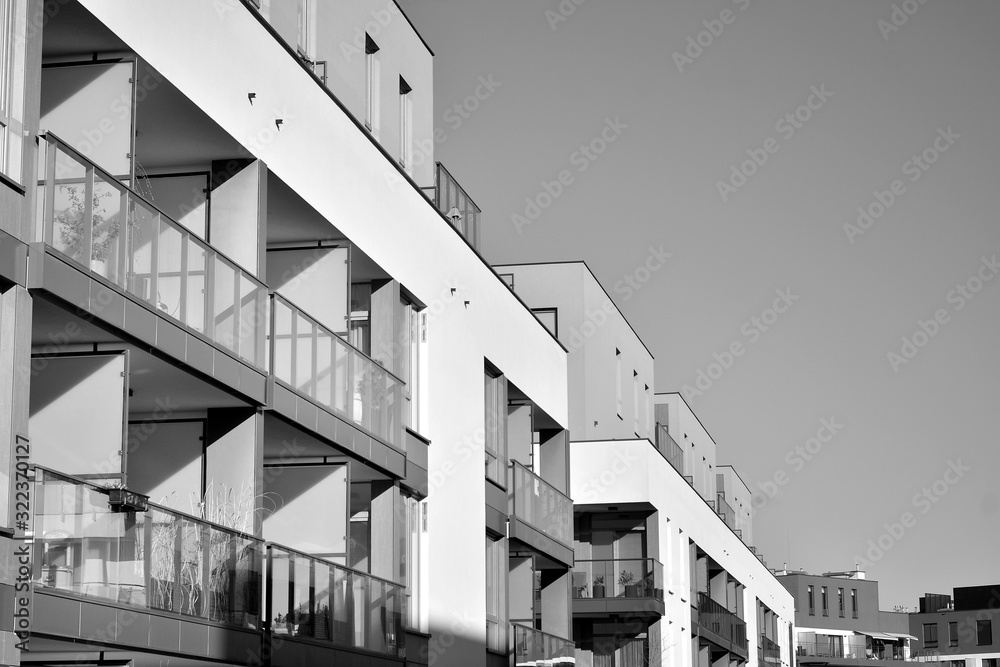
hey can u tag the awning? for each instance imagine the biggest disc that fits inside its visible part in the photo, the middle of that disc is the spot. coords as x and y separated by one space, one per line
899 635
878 635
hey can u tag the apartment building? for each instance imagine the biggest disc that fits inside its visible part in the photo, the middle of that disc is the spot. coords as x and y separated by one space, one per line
278 409
664 572
838 620
958 630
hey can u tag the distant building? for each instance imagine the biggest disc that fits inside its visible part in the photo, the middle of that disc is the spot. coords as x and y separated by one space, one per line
838 621
960 630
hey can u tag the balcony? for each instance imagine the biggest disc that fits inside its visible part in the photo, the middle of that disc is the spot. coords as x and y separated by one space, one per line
536 648
456 205
308 358
541 515
822 651
725 511
720 626
95 222
768 652
632 586
671 451
188 578
323 603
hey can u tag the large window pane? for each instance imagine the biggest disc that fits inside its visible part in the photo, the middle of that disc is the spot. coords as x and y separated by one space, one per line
223 300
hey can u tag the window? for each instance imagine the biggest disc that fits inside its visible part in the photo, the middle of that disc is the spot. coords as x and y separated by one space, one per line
549 317
372 72
823 599
930 635
812 600
618 380
984 633
508 279
840 601
953 634
405 125
496 595
410 564
496 427
303 11
990 662
649 410
13 18
854 602
635 400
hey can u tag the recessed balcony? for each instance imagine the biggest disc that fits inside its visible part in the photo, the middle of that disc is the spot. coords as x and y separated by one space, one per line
720 626
541 515
94 221
533 647
616 586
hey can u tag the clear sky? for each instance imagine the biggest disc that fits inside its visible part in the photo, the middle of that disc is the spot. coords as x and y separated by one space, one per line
898 117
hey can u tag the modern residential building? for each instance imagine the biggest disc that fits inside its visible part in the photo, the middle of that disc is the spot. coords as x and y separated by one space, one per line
253 356
664 572
838 621
959 630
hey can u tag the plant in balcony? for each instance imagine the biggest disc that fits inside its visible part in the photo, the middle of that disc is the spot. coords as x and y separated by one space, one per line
626 580
72 221
599 590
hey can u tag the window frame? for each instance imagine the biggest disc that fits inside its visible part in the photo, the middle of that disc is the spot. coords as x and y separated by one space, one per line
405 125
13 84
824 600
811 599
372 80
930 635
987 626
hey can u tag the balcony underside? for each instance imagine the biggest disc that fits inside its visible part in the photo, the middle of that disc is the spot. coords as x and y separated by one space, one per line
647 608
60 623
112 310
720 643
305 413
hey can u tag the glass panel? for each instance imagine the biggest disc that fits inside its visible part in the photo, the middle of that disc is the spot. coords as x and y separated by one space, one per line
342 376
361 388
278 602
194 312
223 304
360 585
164 562
323 626
69 206
304 335
144 228
323 370
168 270
251 315
376 393
192 598
282 364
343 607
107 237
302 620
377 619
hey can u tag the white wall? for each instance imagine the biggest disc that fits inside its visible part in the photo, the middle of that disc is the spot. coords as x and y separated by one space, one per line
638 474
333 166
592 328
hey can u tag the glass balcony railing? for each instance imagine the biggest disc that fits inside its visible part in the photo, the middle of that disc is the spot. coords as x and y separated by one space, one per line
630 578
669 448
721 622
542 506
725 511
316 599
768 652
534 647
106 227
310 359
833 647
457 206
157 559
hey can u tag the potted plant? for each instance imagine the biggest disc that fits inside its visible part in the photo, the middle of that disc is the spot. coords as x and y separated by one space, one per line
599 587
625 580
71 222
